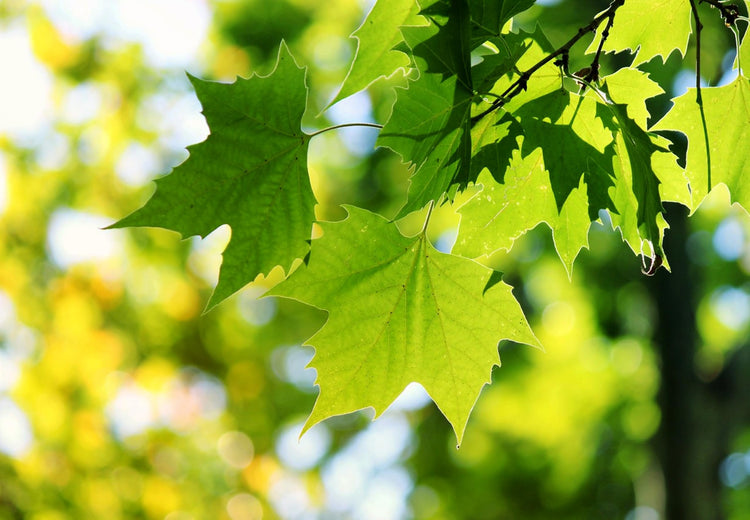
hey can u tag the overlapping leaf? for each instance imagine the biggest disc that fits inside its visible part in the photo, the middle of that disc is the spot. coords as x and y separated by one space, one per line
377 38
560 175
716 151
429 126
637 200
250 173
502 212
489 16
631 88
399 312
649 28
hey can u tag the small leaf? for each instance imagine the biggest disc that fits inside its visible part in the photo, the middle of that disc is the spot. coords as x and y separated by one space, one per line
632 87
377 39
401 312
250 173
649 28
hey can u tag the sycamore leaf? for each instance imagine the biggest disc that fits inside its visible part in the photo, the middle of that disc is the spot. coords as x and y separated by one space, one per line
429 126
636 195
560 175
574 143
717 151
500 213
443 46
649 28
401 312
632 87
377 38
489 16
250 173
743 56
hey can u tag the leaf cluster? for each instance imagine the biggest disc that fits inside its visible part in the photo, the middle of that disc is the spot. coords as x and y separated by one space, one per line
482 104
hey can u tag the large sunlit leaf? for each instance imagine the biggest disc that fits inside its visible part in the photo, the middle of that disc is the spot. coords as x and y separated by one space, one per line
250 173
399 311
648 28
501 212
716 152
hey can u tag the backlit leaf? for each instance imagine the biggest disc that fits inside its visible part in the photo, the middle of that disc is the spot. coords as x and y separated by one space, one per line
715 152
399 311
648 28
377 38
250 173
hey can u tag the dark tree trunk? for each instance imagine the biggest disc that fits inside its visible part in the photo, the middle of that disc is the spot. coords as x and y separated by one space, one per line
698 418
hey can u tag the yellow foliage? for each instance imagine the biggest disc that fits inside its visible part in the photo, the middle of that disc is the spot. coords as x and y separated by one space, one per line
155 374
49 45
230 62
261 473
160 497
97 495
180 300
91 445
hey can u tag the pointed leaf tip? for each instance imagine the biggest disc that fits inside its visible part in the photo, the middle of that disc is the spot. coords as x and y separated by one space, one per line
400 312
250 173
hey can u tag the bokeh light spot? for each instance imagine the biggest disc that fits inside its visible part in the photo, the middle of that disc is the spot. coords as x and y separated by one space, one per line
236 449
305 452
75 237
15 434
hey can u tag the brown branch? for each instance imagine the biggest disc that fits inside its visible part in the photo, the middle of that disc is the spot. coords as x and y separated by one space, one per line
519 85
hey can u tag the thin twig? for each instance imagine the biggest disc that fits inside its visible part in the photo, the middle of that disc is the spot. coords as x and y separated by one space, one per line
698 94
519 85
593 74
346 125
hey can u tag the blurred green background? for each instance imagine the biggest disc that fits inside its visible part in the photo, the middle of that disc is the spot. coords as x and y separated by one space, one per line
119 400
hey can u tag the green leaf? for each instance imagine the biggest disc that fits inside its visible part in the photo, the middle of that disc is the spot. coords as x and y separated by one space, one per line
636 195
250 173
493 66
574 143
561 176
649 28
716 152
443 46
632 87
489 16
544 81
377 38
496 216
429 126
401 312
743 61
